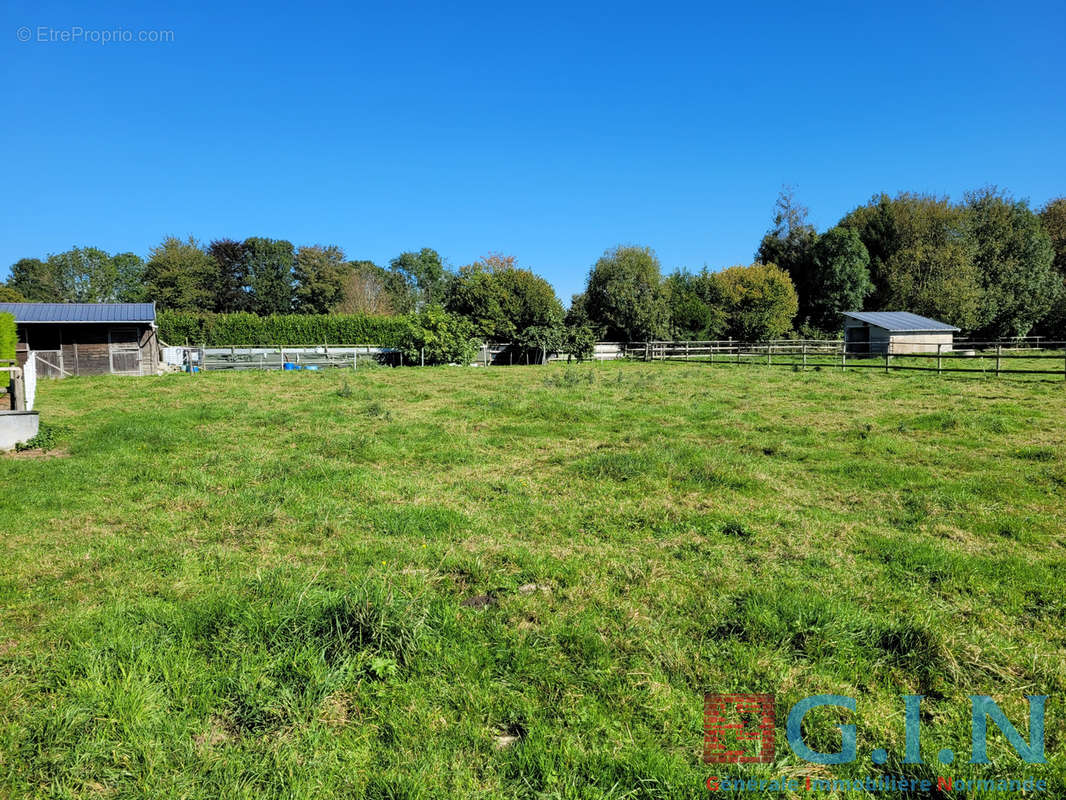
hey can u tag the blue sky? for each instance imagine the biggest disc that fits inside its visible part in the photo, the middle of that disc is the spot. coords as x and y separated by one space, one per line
546 131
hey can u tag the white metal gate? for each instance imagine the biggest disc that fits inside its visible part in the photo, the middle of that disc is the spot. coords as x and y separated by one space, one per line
49 363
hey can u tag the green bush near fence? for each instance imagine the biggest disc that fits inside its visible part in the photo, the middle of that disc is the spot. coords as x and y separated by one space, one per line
438 337
8 339
8 336
220 330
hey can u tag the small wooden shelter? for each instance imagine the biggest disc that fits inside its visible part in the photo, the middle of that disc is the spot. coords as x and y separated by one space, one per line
86 338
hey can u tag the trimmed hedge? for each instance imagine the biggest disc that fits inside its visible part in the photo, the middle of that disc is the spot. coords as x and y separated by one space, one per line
223 330
8 336
8 340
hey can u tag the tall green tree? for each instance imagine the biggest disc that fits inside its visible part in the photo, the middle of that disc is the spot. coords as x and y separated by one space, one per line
425 276
689 313
1015 258
759 301
504 301
577 314
789 243
1053 218
268 263
9 295
624 295
229 286
319 277
129 275
87 275
179 275
921 257
79 275
370 289
37 281
841 278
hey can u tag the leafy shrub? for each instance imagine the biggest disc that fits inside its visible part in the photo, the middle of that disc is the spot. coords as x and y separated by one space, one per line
540 340
45 440
441 337
760 301
579 342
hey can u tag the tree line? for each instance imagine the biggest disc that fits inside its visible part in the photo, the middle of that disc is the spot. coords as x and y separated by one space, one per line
988 264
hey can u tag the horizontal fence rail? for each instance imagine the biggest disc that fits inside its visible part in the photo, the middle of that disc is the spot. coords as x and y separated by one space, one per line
999 358
1032 356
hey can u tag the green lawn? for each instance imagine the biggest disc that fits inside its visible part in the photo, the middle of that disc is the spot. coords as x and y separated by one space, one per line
519 582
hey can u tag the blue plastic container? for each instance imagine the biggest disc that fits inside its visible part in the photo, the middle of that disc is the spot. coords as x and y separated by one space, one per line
311 367
290 365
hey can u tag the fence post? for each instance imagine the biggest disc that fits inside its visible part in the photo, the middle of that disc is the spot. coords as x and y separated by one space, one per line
804 355
710 353
686 351
999 354
18 391
355 359
647 351
886 360
769 350
421 356
843 356
939 356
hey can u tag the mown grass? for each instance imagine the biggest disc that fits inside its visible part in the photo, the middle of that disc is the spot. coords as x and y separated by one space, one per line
519 582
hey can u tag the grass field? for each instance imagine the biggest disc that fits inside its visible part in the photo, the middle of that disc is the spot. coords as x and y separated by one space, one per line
519 582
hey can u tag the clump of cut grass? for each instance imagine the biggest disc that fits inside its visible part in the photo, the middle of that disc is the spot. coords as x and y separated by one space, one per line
736 530
377 410
570 377
1043 454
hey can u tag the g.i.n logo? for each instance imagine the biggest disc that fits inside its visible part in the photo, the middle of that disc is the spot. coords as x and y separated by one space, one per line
739 728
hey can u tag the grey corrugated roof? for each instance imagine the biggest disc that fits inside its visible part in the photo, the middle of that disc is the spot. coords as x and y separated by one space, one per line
80 312
900 321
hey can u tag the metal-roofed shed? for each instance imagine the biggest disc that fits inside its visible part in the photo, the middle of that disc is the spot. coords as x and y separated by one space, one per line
895 333
81 312
86 338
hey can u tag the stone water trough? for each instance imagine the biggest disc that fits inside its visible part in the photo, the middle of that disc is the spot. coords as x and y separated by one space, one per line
17 427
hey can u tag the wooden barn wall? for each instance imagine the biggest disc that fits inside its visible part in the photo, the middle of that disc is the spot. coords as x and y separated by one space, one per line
86 347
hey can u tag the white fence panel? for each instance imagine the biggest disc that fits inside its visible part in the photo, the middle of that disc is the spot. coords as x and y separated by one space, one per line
29 378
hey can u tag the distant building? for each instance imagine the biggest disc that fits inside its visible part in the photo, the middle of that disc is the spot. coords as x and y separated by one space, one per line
86 338
896 333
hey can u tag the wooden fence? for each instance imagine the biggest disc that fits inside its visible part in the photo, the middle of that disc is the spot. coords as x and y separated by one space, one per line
999 358
1019 357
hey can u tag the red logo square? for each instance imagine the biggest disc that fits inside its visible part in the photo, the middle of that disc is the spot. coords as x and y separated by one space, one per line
738 728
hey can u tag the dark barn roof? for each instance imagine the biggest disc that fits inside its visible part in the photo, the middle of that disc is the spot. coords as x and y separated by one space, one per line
80 312
901 321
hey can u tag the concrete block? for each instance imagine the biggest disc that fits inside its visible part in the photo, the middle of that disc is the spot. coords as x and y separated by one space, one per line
16 427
